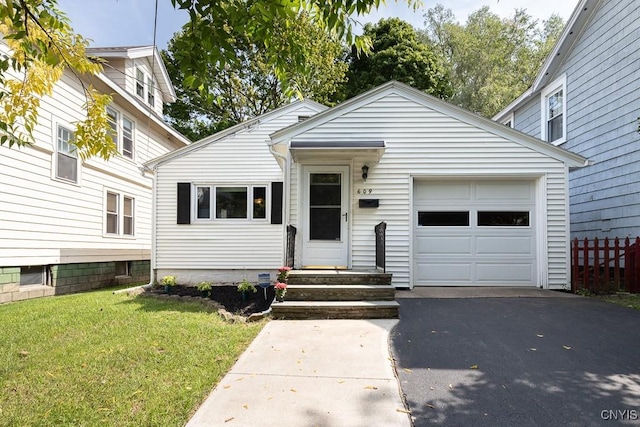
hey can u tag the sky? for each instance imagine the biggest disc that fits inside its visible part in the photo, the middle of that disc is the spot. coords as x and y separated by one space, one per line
130 22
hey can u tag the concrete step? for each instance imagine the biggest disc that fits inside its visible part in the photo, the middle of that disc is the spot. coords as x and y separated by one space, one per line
335 310
338 277
340 293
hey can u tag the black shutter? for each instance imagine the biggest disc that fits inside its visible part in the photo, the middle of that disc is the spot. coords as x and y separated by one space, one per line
184 203
276 203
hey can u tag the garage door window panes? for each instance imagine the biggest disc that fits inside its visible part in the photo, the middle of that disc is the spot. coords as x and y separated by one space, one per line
503 219
443 219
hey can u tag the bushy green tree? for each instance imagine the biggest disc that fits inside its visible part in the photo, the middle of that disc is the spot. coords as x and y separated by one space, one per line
490 60
397 53
249 86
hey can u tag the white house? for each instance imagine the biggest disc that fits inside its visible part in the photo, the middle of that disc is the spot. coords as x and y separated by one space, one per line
467 201
68 225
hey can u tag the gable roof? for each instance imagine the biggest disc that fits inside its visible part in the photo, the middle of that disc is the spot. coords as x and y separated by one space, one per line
573 30
133 52
393 87
246 125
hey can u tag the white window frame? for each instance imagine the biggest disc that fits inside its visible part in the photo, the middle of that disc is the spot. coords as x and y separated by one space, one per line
509 121
120 132
145 81
554 87
56 153
139 83
213 208
120 214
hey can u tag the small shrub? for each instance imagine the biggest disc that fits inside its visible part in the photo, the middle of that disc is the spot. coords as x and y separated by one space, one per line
245 286
169 280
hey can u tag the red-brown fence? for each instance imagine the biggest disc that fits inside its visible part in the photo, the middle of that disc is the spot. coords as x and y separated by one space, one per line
605 266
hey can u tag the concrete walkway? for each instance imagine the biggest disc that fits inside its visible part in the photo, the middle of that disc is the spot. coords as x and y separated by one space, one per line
310 373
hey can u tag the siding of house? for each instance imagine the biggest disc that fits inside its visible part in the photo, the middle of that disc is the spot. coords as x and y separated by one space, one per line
602 111
207 245
424 142
45 221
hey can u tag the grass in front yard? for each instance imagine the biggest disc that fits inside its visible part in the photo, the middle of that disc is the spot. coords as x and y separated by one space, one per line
626 300
99 358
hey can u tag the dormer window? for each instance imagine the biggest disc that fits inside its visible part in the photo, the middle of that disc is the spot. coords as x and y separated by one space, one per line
145 87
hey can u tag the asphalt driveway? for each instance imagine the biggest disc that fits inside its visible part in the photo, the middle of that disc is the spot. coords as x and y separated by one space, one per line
518 361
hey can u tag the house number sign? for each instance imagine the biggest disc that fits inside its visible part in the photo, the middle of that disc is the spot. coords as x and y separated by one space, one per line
364 190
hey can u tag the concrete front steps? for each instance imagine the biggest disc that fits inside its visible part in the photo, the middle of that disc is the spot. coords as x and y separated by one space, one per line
337 294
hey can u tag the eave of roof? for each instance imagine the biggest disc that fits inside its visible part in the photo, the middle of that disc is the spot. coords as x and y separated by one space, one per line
287 134
133 52
233 130
572 31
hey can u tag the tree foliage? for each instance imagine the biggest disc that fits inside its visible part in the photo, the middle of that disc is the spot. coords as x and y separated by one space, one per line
41 45
249 86
397 54
219 29
490 60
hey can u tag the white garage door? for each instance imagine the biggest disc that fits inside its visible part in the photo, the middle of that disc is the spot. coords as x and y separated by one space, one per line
474 233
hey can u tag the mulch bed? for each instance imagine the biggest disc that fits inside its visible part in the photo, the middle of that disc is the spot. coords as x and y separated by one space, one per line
230 298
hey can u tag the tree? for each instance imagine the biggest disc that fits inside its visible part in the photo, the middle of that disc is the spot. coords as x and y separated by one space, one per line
41 45
397 54
218 30
249 87
490 60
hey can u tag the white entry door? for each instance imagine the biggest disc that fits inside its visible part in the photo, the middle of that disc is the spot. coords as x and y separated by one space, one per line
325 216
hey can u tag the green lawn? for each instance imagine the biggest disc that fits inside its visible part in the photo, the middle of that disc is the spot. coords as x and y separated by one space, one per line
99 358
626 300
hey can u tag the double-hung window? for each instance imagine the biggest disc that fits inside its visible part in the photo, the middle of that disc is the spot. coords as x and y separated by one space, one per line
231 202
66 156
140 78
151 92
554 126
145 87
122 130
119 214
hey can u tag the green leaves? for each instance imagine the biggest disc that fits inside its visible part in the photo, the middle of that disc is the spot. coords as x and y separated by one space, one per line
490 60
397 54
261 76
41 46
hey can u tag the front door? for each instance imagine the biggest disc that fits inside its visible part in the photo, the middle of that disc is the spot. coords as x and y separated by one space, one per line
325 216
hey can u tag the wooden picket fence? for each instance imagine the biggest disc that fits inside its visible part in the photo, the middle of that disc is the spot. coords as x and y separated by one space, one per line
606 266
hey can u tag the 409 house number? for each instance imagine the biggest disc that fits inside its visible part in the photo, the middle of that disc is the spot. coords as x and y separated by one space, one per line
364 190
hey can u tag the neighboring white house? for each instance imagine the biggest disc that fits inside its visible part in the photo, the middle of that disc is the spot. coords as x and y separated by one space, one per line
467 201
68 225
585 99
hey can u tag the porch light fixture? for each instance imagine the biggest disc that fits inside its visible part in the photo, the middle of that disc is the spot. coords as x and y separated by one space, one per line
365 172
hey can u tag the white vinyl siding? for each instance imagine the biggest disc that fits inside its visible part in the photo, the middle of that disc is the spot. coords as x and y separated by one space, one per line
241 160
422 142
46 221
